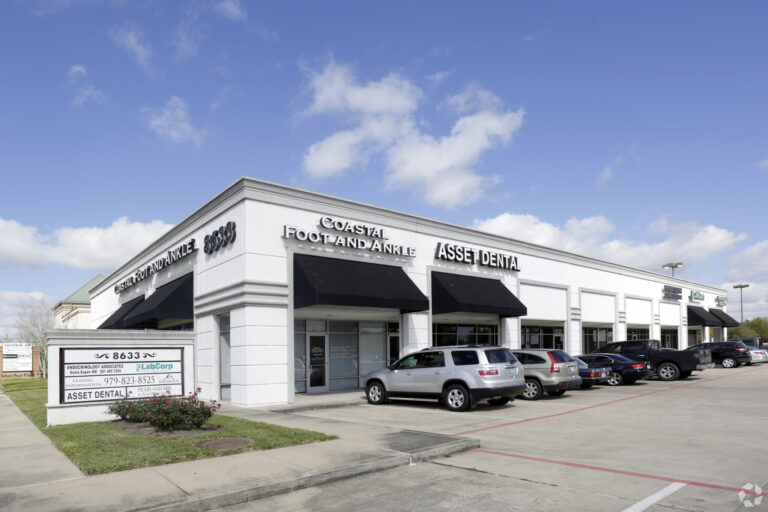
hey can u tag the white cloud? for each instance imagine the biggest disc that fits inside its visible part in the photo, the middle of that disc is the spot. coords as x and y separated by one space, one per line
605 175
86 94
749 266
267 34
383 117
186 39
763 164
76 72
438 77
593 236
93 248
231 9
172 122
131 40
220 99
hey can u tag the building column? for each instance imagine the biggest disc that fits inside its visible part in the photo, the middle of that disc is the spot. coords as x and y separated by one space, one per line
415 331
707 334
206 358
510 332
261 354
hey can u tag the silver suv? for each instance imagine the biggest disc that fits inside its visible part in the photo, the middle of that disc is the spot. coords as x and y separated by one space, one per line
459 376
553 371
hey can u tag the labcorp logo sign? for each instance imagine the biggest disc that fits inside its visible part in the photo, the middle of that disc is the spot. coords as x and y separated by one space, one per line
751 495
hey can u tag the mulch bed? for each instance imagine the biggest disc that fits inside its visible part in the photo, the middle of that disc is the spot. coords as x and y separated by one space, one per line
145 430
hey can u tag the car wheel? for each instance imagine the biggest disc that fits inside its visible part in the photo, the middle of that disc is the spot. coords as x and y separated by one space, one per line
556 392
375 393
456 397
586 386
533 390
499 401
668 371
729 362
615 379
685 375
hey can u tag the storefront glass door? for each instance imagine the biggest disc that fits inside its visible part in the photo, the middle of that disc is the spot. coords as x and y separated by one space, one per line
317 346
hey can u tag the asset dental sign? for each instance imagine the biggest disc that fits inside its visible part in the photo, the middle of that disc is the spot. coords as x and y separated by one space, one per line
94 375
463 254
349 235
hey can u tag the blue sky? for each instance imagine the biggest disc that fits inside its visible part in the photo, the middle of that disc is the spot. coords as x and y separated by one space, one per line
632 133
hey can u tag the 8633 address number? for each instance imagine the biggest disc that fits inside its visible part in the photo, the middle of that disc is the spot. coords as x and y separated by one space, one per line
221 237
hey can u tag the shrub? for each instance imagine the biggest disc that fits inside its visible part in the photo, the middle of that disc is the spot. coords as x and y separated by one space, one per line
165 412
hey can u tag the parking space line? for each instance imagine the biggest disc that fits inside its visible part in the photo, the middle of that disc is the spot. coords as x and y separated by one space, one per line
655 497
611 402
622 472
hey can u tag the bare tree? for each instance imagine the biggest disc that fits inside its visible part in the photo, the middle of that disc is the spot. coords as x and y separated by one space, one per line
32 318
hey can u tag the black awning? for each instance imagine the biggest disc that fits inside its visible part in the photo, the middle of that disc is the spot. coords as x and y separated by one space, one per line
116 319
700 316
170 301
335 282
453 293
726 319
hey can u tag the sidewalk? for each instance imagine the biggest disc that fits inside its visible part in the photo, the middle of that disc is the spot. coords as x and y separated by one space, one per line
36 476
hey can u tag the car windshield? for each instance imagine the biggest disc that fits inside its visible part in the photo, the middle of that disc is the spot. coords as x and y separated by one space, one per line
581 363
620 359
500 355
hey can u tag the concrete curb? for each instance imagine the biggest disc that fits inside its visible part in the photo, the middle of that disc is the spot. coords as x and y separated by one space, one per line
311 407
274 487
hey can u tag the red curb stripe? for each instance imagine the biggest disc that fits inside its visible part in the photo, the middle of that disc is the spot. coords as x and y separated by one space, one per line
597 405
622 472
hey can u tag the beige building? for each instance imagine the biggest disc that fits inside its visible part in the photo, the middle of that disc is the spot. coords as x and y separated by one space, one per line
74 312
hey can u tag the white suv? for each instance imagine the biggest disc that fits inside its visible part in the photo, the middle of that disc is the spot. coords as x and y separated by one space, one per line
459 376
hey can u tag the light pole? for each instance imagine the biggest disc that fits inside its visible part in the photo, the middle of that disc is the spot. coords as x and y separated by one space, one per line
741 297
673 266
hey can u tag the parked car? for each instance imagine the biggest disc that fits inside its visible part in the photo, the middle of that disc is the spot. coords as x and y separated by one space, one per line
550 371
758 355
750 342
728 354
459 376
591 376
667 364
624 370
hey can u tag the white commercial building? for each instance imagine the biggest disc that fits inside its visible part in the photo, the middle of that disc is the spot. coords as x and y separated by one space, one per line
288 291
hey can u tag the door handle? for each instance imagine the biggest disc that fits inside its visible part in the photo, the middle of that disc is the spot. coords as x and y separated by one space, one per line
408 373
437 371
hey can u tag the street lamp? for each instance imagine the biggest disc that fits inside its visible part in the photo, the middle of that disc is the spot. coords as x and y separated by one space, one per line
673 266
741 297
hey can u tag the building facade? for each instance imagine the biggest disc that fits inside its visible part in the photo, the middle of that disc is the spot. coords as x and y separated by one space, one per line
289 291
74 312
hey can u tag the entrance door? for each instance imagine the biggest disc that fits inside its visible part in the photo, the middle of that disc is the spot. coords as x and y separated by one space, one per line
393 348
317 348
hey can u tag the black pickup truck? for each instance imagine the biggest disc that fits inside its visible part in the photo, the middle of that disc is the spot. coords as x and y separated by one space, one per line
667 364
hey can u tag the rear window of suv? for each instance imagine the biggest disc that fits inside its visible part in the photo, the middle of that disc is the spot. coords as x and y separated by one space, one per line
464 357
561 356
500 355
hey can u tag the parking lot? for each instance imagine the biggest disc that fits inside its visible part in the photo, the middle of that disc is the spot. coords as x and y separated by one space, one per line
686 445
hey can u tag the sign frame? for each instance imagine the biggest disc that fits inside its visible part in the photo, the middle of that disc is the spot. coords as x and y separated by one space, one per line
126 348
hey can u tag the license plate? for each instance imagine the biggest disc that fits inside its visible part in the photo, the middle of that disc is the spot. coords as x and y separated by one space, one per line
572 369
603 374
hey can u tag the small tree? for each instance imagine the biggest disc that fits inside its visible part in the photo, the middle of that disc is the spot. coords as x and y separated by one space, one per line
32 318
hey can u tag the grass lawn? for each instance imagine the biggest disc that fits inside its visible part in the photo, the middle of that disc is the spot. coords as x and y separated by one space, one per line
103 447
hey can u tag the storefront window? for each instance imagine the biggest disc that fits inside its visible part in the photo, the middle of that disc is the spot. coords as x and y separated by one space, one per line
300 356
595 337
641 333
444 335
669 338
544 337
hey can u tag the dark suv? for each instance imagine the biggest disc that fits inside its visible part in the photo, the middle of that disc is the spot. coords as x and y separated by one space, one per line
667 364
729 354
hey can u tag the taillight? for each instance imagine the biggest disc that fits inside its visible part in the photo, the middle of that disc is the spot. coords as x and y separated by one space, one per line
638 366
485 372
741 350
594 374
555 368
